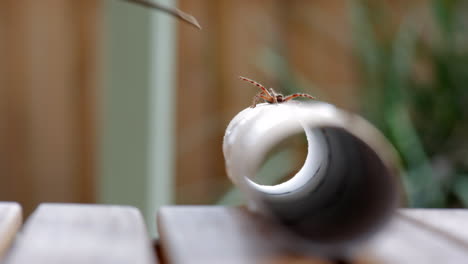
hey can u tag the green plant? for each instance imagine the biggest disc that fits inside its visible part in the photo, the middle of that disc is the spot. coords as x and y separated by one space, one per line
415 93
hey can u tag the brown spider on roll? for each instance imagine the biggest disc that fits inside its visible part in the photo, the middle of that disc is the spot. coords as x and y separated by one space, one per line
271 96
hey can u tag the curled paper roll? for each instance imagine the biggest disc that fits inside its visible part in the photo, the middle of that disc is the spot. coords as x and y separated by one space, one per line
348 186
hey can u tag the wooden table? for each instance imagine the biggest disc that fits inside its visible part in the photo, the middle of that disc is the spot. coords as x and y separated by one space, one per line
73 233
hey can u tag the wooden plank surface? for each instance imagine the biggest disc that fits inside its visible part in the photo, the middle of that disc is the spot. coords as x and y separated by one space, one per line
212 234
10 222
208 234
72 233
452 223
406 241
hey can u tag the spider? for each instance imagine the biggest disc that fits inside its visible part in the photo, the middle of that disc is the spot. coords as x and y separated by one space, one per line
271 96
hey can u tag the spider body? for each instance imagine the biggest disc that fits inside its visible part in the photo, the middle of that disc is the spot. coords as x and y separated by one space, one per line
271 96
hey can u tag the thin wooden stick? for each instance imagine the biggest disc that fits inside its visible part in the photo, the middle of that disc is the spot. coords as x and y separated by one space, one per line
169 10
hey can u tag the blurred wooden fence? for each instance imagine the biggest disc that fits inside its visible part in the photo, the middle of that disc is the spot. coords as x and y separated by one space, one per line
48 80
268 41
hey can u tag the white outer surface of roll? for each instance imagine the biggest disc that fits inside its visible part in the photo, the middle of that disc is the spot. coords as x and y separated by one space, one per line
255 131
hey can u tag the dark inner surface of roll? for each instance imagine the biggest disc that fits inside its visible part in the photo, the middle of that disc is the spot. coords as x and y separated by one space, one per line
355 197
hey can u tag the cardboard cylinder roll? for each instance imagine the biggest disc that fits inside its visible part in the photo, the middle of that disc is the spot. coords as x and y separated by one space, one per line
348 186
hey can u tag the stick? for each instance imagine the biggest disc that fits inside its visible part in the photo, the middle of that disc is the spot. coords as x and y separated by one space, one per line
169 10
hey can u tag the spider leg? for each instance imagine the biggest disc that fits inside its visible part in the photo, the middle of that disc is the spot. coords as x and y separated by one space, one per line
257 84
292 96
273 94
257 98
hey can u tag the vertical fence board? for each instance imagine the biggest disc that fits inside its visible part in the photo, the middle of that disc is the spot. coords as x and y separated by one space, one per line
48 76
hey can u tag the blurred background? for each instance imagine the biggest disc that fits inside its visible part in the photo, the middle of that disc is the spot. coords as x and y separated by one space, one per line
105 101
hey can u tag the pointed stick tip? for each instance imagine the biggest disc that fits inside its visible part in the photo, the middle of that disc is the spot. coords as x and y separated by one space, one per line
193 21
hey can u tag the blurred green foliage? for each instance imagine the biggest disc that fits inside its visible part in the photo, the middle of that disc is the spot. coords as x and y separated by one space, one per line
414 72
415 76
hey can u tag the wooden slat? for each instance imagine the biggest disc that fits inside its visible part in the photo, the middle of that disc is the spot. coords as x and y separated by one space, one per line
406 241
451 223
10 222
72 233
212 234
199 166
233 235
